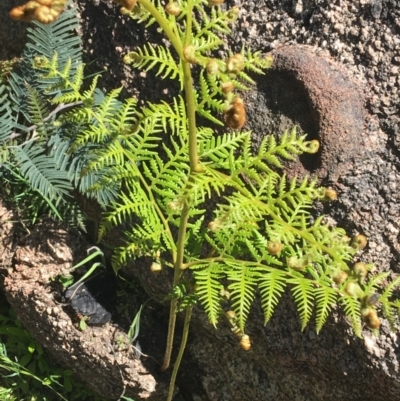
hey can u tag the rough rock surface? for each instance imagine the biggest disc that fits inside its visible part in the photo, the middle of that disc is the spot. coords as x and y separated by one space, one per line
100 356
12 33
362 38
334 102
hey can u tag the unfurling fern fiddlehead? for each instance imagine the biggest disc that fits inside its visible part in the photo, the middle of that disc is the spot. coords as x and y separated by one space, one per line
260 239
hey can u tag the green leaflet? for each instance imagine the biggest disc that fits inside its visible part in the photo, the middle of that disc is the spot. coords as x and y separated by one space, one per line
272 285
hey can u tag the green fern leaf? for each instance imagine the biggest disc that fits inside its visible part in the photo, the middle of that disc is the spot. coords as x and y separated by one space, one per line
325 298
390 309
303 294
148 57
351 307
242 287
272 285
208 288
376 282
218 149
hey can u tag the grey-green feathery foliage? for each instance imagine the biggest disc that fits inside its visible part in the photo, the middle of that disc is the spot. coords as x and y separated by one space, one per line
33 147
226 218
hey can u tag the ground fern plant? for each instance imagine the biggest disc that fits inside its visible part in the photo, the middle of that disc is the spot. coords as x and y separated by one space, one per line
182 179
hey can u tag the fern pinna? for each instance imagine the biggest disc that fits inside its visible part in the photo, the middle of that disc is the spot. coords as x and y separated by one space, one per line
162 172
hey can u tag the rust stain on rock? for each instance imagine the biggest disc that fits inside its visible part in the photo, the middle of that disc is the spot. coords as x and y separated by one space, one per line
337 104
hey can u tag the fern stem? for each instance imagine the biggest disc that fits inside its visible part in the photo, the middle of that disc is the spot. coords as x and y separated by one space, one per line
182 347
191 114
178 269
164 24
189 20
190 96
194 167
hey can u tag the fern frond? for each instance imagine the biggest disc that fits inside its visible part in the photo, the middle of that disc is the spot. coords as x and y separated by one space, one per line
325 298
389 288
168 178
60 35
376 281
65 89
219 149
207 100
38 108
351 307
272 284
166 118
200 187
126 208
242 287
208 289
107 120
303 294
390 309
6 114
148 57
208 28
255 62
141 15
39 170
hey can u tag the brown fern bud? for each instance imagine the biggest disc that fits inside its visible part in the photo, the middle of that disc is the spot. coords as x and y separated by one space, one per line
233 13
215 2
30 6
227 87
45 15
235 114
359 241
58 5
230 315
40 62
296 263
353 289
236 331
245 342
175 205
215 225
17 13
189 54
313 146
212 67
370 318
45 2
345 239
340 276
223 292
274 247
361 271
173 9
330 194
235 63
128 4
